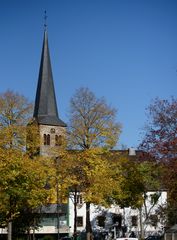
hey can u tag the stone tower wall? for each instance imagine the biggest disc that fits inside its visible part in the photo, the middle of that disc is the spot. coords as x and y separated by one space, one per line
52 131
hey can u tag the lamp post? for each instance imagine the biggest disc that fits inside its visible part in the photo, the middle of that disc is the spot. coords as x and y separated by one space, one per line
58 212
58 198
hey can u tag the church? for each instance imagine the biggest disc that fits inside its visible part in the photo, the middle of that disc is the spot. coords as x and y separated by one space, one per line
57 220
52 129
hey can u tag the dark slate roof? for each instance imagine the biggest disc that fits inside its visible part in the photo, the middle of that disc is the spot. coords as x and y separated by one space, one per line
45 109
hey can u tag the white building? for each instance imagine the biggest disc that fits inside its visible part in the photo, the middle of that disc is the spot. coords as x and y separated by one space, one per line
118 220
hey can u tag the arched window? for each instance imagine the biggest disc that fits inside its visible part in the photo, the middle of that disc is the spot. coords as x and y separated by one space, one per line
58 140
46 139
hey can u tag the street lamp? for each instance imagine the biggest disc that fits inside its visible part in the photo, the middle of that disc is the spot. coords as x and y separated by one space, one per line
58 212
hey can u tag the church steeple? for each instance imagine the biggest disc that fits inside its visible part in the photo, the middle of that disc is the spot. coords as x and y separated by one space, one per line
45 110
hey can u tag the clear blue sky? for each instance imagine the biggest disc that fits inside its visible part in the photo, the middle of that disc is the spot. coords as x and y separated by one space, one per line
124 50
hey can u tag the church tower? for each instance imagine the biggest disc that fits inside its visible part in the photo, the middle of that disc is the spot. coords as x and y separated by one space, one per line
51 128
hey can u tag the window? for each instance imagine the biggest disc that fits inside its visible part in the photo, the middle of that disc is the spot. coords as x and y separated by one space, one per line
117 219
134 221
79 221
58 140
79 199
46 139
153 219
101 221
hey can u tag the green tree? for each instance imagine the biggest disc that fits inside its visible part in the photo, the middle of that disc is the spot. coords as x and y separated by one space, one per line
150 173
132 180
128 187
92 126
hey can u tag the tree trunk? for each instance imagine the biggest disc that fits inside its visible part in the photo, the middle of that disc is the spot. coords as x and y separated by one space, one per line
28 234
33 233
88 223
75 215
141 224
9 229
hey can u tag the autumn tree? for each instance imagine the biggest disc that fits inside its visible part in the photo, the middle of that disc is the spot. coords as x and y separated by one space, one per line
22 183
86 173
92 125
22 179
15 113
160 141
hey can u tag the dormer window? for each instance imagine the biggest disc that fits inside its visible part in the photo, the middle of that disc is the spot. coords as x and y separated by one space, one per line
58 140
46 139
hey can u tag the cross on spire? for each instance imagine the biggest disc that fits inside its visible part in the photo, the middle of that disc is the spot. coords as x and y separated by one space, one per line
45 20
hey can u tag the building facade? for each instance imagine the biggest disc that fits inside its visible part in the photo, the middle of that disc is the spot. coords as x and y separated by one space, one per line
116 222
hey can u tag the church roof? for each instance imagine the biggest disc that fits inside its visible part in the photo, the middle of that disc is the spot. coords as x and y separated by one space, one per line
45 109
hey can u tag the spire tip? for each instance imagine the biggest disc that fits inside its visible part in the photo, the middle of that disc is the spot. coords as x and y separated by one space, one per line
45 20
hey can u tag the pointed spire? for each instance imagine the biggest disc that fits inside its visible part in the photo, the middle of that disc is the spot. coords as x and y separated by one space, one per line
45 20
45 109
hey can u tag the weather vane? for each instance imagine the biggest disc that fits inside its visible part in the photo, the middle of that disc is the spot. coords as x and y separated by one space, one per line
45 20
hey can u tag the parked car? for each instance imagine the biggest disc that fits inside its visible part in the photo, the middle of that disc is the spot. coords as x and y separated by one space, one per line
153 237
127 238
66 238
